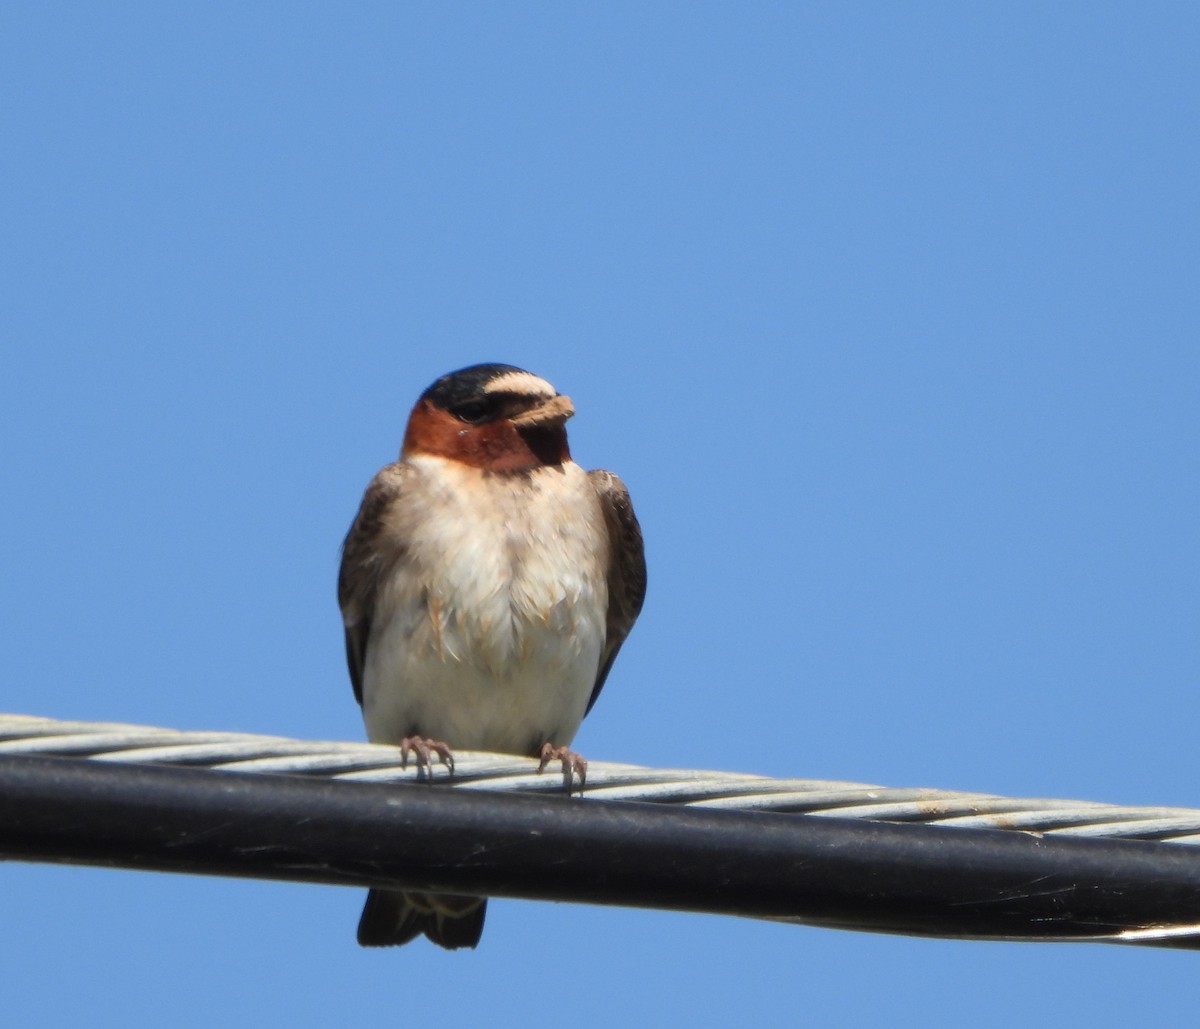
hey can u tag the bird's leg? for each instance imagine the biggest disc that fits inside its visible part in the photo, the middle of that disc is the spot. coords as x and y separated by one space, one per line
572 764
424 747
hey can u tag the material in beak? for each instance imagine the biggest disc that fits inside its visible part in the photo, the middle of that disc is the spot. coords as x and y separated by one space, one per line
554 411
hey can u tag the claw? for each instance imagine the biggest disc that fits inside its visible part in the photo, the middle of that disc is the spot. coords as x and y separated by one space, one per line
572 764
424 748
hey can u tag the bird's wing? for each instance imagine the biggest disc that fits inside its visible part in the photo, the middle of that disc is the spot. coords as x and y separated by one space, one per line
626 569
369 553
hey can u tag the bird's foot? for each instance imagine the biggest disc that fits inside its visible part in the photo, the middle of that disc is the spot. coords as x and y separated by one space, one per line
425 748
572 764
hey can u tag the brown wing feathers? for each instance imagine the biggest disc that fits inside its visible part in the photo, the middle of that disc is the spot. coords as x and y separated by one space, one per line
364 565
626 569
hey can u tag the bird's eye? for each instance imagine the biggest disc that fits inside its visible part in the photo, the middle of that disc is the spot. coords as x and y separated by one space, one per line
471 411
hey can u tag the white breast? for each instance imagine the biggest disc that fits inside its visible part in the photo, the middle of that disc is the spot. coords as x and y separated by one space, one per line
488 635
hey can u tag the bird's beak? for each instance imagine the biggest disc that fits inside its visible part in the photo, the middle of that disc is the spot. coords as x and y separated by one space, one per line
554 411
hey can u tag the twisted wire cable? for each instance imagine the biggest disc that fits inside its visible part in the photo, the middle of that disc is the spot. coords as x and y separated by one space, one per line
913 861
246 752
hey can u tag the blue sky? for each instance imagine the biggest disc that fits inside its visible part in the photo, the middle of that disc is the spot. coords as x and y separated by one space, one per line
887 314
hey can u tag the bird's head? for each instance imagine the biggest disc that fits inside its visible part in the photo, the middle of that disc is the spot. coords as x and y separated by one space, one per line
491 416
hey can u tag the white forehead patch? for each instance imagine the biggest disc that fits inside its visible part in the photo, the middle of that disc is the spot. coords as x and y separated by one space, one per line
521 383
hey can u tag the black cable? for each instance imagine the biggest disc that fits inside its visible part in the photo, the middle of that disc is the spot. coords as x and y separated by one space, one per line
850 874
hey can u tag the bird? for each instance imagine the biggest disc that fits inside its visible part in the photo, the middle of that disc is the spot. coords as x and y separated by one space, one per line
486 585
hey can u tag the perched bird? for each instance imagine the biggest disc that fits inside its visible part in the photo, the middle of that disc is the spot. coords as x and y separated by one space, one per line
486 586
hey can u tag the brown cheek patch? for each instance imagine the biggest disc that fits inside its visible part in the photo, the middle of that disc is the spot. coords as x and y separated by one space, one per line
496 446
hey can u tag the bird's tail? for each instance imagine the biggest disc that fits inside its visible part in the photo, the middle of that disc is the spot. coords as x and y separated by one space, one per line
391 918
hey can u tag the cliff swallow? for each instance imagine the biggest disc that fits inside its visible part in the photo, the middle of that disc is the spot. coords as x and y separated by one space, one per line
486 586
